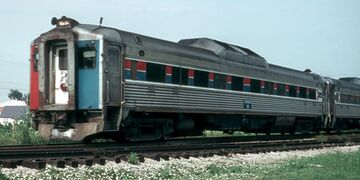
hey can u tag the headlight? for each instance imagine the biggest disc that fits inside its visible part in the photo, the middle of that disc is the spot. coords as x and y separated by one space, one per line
63 23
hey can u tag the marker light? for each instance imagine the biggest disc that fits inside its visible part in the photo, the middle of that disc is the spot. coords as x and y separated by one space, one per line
63 87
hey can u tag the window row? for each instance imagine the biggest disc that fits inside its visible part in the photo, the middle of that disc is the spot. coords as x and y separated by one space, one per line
138 70
349 99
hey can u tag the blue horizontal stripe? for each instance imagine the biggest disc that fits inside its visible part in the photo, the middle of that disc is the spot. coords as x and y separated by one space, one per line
141 76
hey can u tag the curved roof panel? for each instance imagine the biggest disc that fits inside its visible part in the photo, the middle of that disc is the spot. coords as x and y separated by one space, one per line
227 51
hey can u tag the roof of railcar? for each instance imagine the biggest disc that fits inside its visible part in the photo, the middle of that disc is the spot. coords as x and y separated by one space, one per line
182 49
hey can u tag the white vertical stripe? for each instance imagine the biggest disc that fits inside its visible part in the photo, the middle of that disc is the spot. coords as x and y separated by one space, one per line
101 50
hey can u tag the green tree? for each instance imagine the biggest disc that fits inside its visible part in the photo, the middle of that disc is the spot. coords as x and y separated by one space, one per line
26 98
15 95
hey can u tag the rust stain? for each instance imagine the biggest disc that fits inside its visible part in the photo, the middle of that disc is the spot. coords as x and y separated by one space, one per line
41 99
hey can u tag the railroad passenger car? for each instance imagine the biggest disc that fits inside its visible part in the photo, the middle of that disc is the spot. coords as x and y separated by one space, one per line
95 81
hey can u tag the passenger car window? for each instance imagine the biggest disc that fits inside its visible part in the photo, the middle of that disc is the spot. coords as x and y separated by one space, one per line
184 76
219 81
237 83
63 59
114 56
255 86
292 91
312 94
155 72
281 89
302 92
201 78
175 75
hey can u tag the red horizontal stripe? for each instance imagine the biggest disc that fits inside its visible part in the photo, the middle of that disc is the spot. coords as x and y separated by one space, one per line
127 64
247 81
262 83
190 73
211 76
141 66
168 70
275 85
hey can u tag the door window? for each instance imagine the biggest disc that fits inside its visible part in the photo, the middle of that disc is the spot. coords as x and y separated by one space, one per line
87 58
63 59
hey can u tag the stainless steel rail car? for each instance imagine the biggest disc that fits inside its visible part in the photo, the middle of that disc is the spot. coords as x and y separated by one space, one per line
94 80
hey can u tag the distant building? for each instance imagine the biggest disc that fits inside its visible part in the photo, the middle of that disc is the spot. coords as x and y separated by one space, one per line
11 113
12 103
11 110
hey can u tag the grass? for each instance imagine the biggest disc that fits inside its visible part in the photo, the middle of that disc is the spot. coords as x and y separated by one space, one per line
330 166
133 158
327 166
210 133
321 138
20 132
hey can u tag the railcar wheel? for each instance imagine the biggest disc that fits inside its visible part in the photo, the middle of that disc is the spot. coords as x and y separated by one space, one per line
88 139
116 136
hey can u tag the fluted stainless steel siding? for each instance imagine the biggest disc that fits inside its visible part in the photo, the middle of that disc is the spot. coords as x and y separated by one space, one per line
347 111
149 96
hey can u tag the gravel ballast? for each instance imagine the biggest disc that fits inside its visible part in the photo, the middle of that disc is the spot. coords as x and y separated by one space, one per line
156 169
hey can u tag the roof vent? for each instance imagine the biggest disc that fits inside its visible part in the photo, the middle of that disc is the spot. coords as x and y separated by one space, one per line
354 80
227 51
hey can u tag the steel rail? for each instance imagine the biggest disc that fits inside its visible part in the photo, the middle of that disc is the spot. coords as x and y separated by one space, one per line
34 156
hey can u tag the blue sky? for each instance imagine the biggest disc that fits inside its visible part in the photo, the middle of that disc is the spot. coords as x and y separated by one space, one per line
323 35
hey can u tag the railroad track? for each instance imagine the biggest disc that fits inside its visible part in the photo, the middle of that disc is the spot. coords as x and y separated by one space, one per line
60 155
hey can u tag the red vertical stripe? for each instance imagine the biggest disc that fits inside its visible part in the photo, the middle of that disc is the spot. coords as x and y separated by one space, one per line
297 89
141 66
286 87
34 83
228 79
211 76
127 64
168 70
191 73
